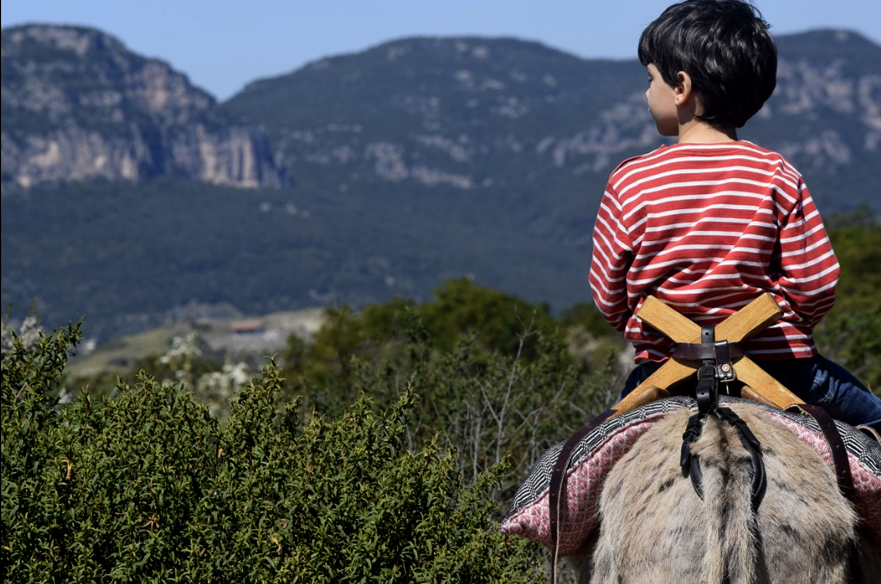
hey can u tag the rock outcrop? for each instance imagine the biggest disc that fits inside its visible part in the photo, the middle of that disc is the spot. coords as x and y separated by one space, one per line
77 105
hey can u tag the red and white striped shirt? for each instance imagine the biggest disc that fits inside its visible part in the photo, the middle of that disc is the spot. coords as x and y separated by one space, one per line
707 228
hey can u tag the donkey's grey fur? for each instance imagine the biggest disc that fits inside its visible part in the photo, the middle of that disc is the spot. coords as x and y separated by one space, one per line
654 528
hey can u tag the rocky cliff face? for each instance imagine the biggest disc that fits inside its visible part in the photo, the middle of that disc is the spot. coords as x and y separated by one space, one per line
76 104
424 114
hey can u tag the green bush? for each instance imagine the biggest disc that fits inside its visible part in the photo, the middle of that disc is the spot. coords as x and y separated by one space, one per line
496 322
485 401
150 487
849 333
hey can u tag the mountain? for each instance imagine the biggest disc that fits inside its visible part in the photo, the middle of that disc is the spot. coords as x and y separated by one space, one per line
392 169
476 113
76 104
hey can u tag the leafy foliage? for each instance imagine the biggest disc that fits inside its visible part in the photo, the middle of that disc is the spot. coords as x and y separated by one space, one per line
849 334
494 374
496 320
149 487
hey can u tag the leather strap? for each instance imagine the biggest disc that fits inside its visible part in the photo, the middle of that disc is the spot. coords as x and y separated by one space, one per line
708 334
701 352
707 390
870 431
753 446
557 489
836 446
842 471
688 461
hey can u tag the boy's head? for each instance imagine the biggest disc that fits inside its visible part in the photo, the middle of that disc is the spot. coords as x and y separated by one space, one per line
725 48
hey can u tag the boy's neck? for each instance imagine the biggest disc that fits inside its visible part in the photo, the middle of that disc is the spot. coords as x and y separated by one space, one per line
695 131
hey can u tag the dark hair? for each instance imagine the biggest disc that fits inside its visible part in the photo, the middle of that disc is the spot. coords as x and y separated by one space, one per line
726 49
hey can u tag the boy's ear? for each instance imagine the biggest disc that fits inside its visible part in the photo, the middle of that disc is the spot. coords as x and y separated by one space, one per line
682 91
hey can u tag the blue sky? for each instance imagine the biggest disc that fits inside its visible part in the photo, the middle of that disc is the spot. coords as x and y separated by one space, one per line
223 45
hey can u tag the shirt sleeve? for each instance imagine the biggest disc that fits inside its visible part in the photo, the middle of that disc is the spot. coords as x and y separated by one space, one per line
808 266
612 256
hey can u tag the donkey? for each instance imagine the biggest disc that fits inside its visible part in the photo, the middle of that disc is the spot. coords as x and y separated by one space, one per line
655 529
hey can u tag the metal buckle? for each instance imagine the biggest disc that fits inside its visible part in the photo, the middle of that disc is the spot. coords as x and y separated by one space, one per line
725 372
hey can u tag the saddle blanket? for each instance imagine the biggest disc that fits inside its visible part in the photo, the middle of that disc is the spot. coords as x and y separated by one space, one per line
596 454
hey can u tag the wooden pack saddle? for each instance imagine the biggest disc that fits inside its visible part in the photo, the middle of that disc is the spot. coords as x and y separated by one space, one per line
710 354
737 328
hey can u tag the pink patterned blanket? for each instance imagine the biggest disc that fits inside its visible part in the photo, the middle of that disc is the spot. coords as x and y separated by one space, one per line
599 450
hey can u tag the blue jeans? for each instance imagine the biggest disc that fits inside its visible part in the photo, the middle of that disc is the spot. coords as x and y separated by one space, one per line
817 380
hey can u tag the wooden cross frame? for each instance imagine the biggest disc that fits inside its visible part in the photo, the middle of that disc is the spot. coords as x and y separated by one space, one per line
738 327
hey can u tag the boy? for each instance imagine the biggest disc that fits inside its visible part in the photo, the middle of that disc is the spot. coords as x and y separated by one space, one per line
710 223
